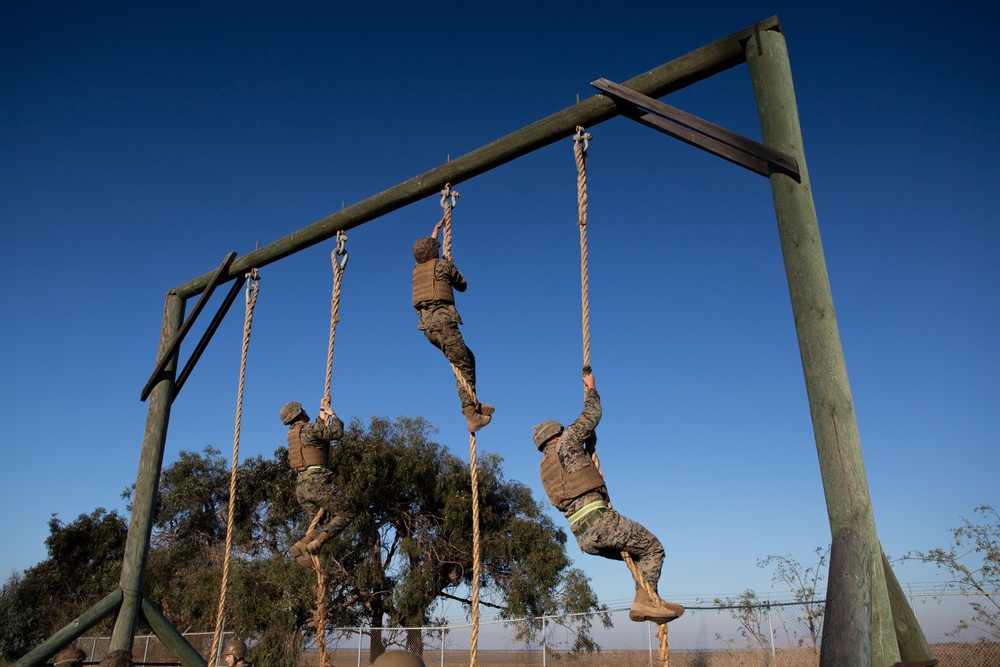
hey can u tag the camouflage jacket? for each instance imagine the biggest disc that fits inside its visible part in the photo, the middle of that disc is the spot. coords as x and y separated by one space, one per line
320 433
437 313
573 446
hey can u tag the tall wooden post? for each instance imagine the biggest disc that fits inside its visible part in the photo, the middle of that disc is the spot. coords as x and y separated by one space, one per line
150 463
835 426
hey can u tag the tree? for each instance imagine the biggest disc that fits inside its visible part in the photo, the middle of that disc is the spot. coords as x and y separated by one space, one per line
804 586
973 562
83 566
411 541
409 545
751 614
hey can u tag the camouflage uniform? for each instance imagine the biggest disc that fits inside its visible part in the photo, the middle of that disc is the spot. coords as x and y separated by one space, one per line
610 533
439 321
315 488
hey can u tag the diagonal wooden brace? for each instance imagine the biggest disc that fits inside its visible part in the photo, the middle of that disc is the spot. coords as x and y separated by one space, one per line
699 133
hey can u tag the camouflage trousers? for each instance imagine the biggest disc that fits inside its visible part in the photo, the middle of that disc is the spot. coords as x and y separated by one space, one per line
448 339
315 490
613 533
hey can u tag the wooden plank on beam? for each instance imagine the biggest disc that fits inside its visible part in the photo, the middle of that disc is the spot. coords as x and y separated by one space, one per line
700 133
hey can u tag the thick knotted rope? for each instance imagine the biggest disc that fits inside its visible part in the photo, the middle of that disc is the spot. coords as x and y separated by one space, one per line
581 142
449 198
251 301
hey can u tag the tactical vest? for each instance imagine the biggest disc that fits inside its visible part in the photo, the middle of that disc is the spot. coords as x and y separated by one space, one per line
563 487
299 455
426 287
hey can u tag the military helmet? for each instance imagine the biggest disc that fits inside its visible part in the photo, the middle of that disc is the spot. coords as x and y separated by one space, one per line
235 648
290 411
426 249
72 655
398 659
120 658
542 432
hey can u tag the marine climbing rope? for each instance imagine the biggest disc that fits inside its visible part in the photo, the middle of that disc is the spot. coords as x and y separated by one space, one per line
449 198
252 288
581 143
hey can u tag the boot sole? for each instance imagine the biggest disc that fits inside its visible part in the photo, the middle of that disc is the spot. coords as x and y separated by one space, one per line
301 557
670 612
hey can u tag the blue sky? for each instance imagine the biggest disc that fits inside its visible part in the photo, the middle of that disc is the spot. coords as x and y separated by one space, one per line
141 143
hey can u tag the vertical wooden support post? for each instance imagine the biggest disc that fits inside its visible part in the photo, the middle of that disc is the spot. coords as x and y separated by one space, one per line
847 623
148 479
835 427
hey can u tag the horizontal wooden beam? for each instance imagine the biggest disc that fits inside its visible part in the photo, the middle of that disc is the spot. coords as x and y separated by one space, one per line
679 73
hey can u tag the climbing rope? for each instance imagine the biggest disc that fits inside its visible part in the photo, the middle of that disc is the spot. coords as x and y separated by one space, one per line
338 260
251 301
476 561
581 142
449 198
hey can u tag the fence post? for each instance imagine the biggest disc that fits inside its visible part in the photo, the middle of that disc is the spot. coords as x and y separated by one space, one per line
770 632
360 638
544 651
444 635
649 642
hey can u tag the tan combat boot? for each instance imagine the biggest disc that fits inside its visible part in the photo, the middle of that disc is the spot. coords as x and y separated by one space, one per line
317 542
645 609
300 551
477 416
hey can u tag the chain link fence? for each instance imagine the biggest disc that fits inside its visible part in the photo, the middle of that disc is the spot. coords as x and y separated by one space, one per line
771 634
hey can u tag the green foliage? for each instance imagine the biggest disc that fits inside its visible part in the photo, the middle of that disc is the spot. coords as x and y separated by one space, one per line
19 627
973 562
82 567
409 544
803 582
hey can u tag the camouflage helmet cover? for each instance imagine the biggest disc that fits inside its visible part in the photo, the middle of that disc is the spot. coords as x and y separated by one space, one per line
426 249
72 655
235 648
542 432
290 411
119 658
398 659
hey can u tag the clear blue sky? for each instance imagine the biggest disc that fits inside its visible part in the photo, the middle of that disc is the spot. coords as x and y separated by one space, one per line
141 143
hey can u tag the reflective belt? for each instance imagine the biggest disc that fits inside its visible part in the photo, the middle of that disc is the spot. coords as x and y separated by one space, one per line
586 516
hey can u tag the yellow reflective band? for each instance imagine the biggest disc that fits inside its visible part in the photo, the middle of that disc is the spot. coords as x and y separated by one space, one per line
587 509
